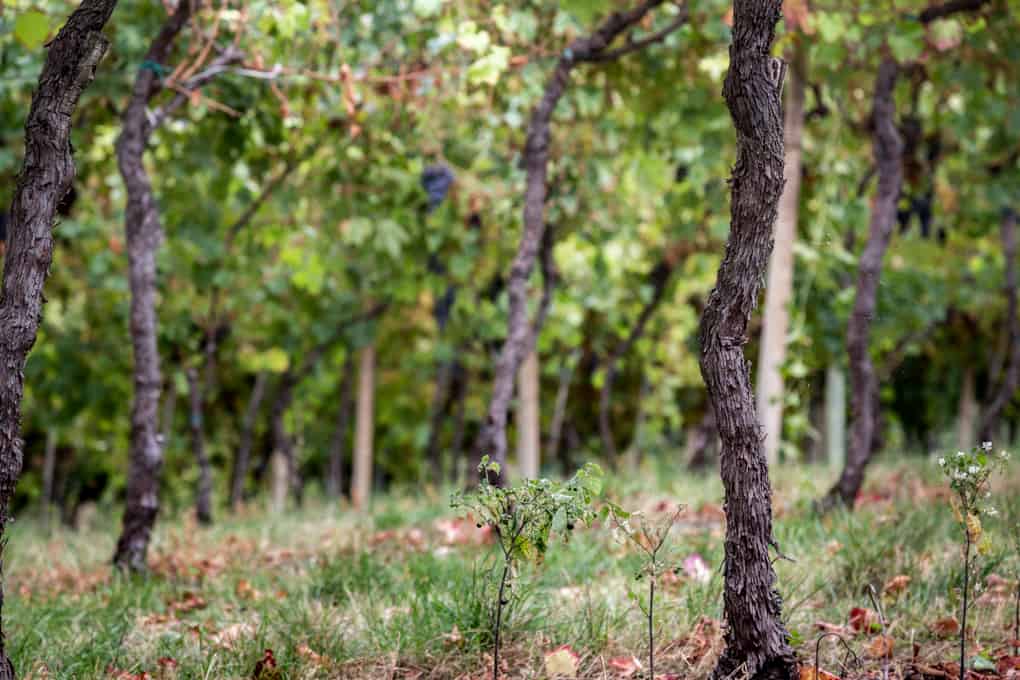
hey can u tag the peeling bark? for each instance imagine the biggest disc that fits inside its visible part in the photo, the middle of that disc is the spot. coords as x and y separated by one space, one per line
757 643
888 151
521 332
46 175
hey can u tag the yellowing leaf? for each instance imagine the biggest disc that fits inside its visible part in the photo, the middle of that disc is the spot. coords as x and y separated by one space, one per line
562 662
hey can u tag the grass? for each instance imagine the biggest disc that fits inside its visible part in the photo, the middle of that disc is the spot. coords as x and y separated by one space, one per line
392 595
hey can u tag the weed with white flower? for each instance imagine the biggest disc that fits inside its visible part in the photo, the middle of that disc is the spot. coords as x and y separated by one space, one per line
969 477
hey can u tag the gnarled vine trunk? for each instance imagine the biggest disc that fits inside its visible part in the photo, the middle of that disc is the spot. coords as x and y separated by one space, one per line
756 641
144 235
46 175
888 151
521 332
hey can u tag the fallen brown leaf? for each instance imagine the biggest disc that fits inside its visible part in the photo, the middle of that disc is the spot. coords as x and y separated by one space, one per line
946 627
880 647
625 666
808 673
896 585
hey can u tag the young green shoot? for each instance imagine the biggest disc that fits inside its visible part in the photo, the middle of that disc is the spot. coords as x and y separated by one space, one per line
523 517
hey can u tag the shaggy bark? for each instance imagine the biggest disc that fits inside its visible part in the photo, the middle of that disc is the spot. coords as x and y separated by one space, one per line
756 641
203 494
1011 380
779 289
46 175
888 151
659 278
521 332
338 443
243 458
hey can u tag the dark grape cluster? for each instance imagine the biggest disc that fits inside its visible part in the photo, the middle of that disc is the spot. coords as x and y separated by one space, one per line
436 180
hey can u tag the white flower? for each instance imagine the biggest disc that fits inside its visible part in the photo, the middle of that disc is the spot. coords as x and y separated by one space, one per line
987 446
959 475
960 454
988 494
1004 455
942 462
973 469
992 512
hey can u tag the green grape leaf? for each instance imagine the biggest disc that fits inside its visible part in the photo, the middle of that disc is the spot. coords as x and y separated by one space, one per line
31 29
